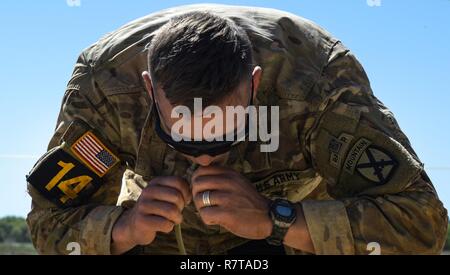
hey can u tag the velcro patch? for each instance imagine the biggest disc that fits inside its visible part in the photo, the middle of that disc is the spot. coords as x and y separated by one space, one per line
63 179
355 153
338 147
94 154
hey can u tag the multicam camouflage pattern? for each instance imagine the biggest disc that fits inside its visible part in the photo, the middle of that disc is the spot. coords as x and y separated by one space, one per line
323 93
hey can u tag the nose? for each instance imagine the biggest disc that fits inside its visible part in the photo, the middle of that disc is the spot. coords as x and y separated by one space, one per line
204 160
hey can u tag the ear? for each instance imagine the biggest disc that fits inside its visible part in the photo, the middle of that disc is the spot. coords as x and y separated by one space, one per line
148 83
257 74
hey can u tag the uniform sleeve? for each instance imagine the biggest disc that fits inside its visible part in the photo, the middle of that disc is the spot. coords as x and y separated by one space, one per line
381 194
88 219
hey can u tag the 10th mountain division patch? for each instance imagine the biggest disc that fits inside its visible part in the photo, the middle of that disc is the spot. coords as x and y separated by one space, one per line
376 165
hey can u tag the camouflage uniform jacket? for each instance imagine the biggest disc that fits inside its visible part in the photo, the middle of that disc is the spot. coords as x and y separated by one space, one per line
342 154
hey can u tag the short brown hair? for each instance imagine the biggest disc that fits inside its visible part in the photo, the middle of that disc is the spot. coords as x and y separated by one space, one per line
199 55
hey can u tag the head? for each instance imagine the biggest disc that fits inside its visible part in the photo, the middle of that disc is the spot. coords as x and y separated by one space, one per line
200 55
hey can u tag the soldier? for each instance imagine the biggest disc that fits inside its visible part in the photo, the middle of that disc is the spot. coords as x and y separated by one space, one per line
115 181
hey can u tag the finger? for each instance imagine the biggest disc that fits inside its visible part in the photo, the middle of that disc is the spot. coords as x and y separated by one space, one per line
163 209
175 182
216 198
215 215
164 193
155 223
204 183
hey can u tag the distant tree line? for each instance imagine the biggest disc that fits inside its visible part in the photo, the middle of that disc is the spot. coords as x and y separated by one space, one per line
14 229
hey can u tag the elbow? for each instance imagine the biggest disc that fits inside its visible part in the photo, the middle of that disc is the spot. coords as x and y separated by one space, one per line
41 231
431 235
440 237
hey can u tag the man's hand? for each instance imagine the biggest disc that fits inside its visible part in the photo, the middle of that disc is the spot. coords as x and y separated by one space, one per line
158 209
236 205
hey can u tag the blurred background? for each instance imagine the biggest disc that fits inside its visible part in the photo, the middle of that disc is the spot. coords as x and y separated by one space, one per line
403 45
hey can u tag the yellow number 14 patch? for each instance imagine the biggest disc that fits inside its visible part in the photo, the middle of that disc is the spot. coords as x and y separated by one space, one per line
70 187
63 179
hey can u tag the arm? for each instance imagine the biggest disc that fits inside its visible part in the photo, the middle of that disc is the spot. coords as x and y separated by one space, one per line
380 189
90 221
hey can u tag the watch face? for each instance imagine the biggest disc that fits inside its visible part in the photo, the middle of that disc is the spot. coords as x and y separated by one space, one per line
283 214
284 211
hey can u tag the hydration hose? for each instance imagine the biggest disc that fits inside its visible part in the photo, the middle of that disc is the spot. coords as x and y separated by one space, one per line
177 228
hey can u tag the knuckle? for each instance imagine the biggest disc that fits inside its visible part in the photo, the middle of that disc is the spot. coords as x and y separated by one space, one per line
198 200
150 191
143 206
178 218
167 226
171 209
195 180
151 183
177 182
178 196
174 196
195 189
169 191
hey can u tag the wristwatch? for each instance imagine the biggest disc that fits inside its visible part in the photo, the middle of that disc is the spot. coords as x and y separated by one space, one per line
283 214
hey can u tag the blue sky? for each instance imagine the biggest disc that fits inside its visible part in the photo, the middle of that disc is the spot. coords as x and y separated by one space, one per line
403 45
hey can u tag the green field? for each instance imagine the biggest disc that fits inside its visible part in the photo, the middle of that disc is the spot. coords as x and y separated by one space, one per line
17 249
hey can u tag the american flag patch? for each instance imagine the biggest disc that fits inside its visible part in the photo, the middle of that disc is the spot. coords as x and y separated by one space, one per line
94 154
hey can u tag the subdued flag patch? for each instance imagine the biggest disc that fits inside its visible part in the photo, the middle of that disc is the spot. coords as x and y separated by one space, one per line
94 154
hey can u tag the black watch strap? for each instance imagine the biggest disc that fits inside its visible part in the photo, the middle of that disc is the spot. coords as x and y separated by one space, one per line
283 215
277 236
